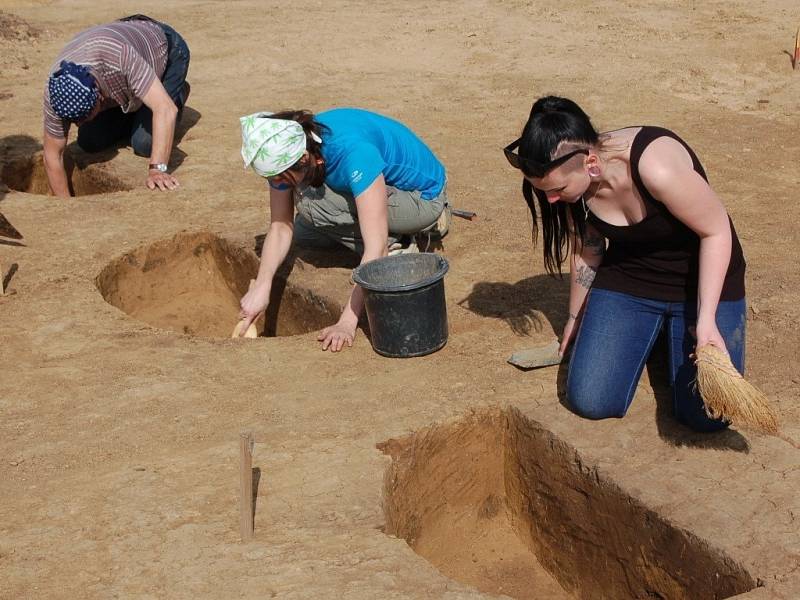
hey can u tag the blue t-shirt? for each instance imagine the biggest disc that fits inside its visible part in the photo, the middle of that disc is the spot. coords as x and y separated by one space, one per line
360 145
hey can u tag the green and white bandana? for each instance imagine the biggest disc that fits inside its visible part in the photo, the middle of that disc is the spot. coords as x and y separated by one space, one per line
271 146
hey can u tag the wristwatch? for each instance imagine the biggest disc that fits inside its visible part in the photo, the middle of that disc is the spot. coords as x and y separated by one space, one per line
161 167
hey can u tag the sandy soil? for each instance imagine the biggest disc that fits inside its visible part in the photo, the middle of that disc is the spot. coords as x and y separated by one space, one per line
119 438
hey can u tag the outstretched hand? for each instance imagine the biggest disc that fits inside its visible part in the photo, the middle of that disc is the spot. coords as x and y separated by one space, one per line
335 337
161 181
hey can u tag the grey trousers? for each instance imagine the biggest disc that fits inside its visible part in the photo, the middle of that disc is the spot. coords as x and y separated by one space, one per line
326 218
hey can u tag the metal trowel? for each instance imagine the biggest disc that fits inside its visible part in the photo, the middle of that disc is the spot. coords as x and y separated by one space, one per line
8 230
536 357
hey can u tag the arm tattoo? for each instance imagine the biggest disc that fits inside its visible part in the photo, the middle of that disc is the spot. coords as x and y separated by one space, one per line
585 275
596 243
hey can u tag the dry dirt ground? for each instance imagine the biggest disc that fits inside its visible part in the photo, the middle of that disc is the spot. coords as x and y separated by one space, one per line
448 476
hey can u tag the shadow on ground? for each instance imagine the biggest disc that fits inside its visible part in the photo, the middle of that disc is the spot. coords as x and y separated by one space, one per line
15 146
83 159
669 429
189 119
339 257
526 306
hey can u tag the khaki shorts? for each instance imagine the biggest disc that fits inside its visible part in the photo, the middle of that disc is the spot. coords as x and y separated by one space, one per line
326 218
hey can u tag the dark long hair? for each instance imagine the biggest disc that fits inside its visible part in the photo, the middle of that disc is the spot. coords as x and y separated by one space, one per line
314 171
554 120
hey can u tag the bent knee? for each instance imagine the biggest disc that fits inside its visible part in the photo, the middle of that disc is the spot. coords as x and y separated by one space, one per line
596 406
90 146
142 144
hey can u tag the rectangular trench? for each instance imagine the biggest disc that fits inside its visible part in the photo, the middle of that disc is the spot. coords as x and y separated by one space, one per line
499 503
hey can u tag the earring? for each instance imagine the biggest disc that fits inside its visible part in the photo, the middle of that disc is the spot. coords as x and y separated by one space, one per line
594 172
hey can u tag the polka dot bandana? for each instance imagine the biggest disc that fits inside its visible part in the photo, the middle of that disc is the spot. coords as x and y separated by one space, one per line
73 93
271 146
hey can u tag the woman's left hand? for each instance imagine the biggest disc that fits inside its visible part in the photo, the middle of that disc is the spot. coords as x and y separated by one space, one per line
334 338
707 333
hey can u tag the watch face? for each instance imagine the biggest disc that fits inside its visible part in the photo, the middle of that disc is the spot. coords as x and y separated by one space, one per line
159 167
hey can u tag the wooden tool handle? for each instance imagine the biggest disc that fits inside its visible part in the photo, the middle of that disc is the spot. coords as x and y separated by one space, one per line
251 332
246 525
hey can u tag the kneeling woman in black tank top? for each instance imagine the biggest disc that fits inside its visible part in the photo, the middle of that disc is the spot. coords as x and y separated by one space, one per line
649 246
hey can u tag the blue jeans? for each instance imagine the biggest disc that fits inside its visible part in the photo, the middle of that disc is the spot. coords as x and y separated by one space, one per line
112 125
615 338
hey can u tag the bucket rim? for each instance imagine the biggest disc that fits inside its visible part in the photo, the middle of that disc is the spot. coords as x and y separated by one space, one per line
443 268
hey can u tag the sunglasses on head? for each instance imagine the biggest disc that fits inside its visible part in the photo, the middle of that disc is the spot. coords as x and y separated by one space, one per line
534 168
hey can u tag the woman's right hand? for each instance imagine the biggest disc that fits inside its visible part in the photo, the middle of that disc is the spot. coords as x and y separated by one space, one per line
570 329
253 303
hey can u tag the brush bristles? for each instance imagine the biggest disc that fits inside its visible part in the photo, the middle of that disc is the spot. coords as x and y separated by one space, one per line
727 395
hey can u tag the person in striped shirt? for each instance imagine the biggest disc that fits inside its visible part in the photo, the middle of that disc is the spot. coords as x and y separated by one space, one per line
120 82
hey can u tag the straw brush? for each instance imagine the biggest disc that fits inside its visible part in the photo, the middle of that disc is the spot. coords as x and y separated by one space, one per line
727 395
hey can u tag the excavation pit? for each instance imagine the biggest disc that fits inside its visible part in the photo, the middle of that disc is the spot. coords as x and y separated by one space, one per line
193 283
27 174
499 503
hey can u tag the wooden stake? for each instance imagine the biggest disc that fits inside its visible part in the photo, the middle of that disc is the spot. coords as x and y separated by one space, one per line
246 444
796 58
2 281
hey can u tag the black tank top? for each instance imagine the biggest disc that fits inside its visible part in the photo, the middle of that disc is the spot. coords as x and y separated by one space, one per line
658 257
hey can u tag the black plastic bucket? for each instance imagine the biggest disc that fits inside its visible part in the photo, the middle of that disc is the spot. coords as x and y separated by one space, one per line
404 298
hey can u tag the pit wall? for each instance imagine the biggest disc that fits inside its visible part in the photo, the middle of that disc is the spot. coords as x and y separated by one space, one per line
594 539
193 283
27 174
190 283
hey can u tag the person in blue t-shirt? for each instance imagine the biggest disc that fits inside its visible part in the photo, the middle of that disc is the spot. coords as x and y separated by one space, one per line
356 178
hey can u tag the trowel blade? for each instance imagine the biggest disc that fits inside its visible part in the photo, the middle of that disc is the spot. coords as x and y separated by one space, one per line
8 230
540 356
251 332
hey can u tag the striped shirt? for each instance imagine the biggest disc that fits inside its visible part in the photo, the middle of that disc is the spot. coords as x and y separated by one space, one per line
124 57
